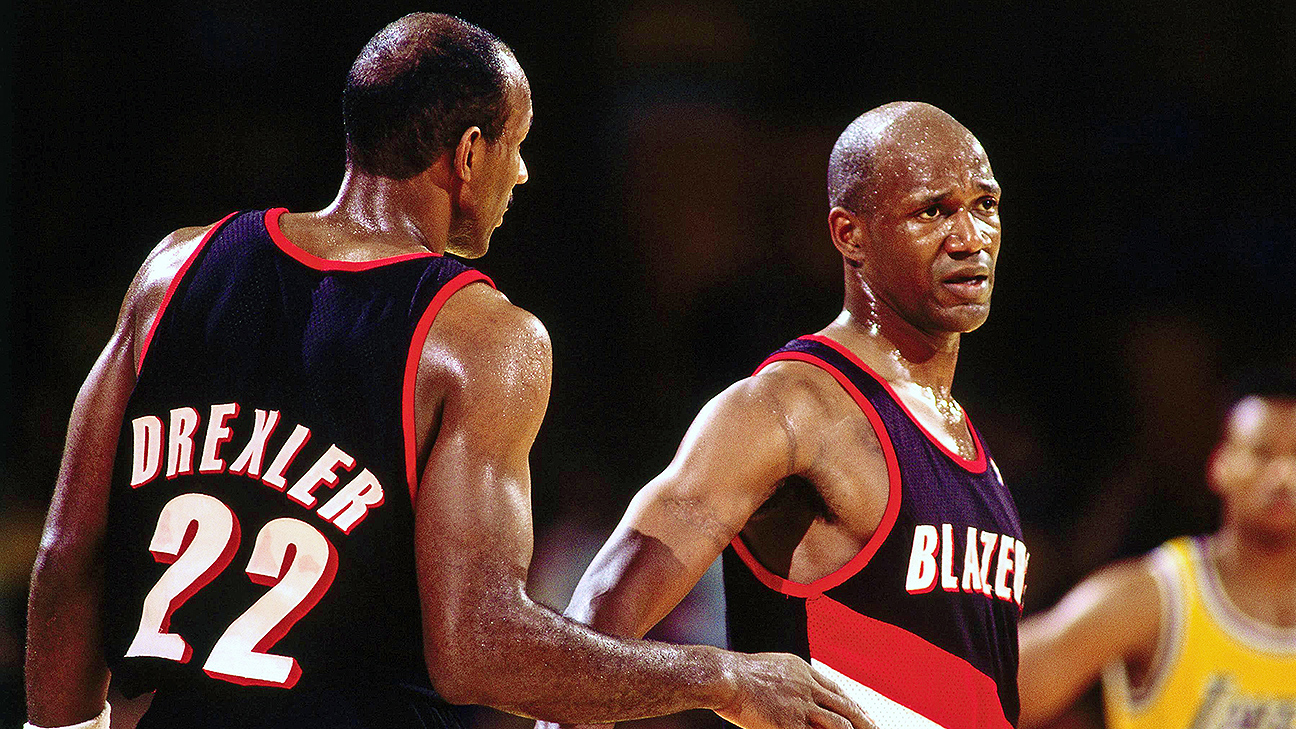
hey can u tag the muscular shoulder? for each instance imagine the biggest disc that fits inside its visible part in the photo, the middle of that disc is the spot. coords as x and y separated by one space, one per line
149 287
481 339
779 416
813 405
799 390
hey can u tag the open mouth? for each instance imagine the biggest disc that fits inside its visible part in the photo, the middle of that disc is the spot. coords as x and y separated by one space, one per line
970 287
969 284
974 280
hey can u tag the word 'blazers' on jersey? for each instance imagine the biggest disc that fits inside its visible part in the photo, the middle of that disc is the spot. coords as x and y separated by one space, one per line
260 548
920 627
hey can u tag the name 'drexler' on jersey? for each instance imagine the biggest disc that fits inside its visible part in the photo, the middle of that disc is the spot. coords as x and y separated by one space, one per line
347 507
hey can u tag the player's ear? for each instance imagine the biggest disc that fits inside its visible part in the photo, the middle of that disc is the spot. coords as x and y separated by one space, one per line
848 233
463 157
1222 468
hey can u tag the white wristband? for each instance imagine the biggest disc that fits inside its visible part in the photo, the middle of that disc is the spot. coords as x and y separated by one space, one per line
99 722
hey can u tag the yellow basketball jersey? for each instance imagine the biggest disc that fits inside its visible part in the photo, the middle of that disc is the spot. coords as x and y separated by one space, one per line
1215 666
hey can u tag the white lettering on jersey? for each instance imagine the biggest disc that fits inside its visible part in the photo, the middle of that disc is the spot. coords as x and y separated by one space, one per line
1010 560
275 476
1019 573
303 492
250 460
922 560
1007 546
345 509
217 435
351 504
146 459
949 583
971 566
184 421
988 542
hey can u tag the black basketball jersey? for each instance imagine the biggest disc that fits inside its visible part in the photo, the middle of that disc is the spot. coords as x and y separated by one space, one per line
260 549
920 627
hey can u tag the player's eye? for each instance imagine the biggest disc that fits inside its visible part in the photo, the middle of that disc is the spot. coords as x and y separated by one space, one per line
989 204
930 213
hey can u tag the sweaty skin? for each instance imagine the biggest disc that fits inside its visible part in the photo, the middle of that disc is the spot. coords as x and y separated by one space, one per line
481 391
786 457
1115 615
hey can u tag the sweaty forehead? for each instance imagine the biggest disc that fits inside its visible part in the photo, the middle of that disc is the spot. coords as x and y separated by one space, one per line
927 152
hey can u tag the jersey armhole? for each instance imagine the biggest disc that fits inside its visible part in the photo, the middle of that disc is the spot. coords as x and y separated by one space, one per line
412 365
889 514
171 289
1164 566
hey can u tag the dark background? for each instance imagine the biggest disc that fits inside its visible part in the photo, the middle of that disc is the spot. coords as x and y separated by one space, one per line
673 231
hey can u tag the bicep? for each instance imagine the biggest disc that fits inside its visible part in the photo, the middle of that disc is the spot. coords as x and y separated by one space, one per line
78 510
80 499
473 517
733 456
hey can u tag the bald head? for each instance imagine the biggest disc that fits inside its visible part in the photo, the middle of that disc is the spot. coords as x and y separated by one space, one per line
418 85
883 140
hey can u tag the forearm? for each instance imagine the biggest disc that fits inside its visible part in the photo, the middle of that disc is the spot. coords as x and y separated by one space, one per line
67 678
530 661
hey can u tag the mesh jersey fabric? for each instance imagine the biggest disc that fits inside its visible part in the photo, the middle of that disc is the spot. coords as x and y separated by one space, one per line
922 624
261 510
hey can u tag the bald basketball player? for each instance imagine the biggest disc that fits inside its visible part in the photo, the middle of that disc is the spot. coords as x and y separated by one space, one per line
295 491
863 524
1200 632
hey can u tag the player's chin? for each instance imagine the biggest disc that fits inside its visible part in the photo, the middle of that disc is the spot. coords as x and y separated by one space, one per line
1277 522
964 318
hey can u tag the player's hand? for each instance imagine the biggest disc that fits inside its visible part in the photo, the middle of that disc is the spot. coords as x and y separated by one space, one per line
781 691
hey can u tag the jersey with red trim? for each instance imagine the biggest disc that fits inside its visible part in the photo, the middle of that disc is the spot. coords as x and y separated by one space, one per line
260 543
920 627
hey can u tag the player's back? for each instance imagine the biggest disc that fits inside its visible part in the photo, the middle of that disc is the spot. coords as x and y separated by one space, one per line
260 556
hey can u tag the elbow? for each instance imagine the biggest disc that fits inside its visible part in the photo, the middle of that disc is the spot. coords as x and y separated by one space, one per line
476 650
456 691
467 663
455 675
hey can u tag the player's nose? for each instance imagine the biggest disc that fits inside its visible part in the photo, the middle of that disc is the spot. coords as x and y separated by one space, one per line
965 237
522 171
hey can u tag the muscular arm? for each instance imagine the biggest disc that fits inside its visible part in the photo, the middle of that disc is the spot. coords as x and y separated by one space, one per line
739 448
1113 615
66 676
486 641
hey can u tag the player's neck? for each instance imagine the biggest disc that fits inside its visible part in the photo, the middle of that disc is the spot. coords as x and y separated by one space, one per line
895 348
1253 561
412 213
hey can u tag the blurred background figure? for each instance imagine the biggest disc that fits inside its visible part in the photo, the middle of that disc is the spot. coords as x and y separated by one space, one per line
1200 632
677 202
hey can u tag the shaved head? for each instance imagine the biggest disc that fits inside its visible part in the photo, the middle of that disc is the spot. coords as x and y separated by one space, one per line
882 140
418 85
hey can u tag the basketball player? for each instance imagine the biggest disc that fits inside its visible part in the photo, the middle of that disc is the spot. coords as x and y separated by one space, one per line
863 525
1200 632
295 490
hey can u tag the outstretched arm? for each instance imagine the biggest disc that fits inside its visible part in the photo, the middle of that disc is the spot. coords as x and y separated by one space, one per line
486 641
67 678
1111 616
